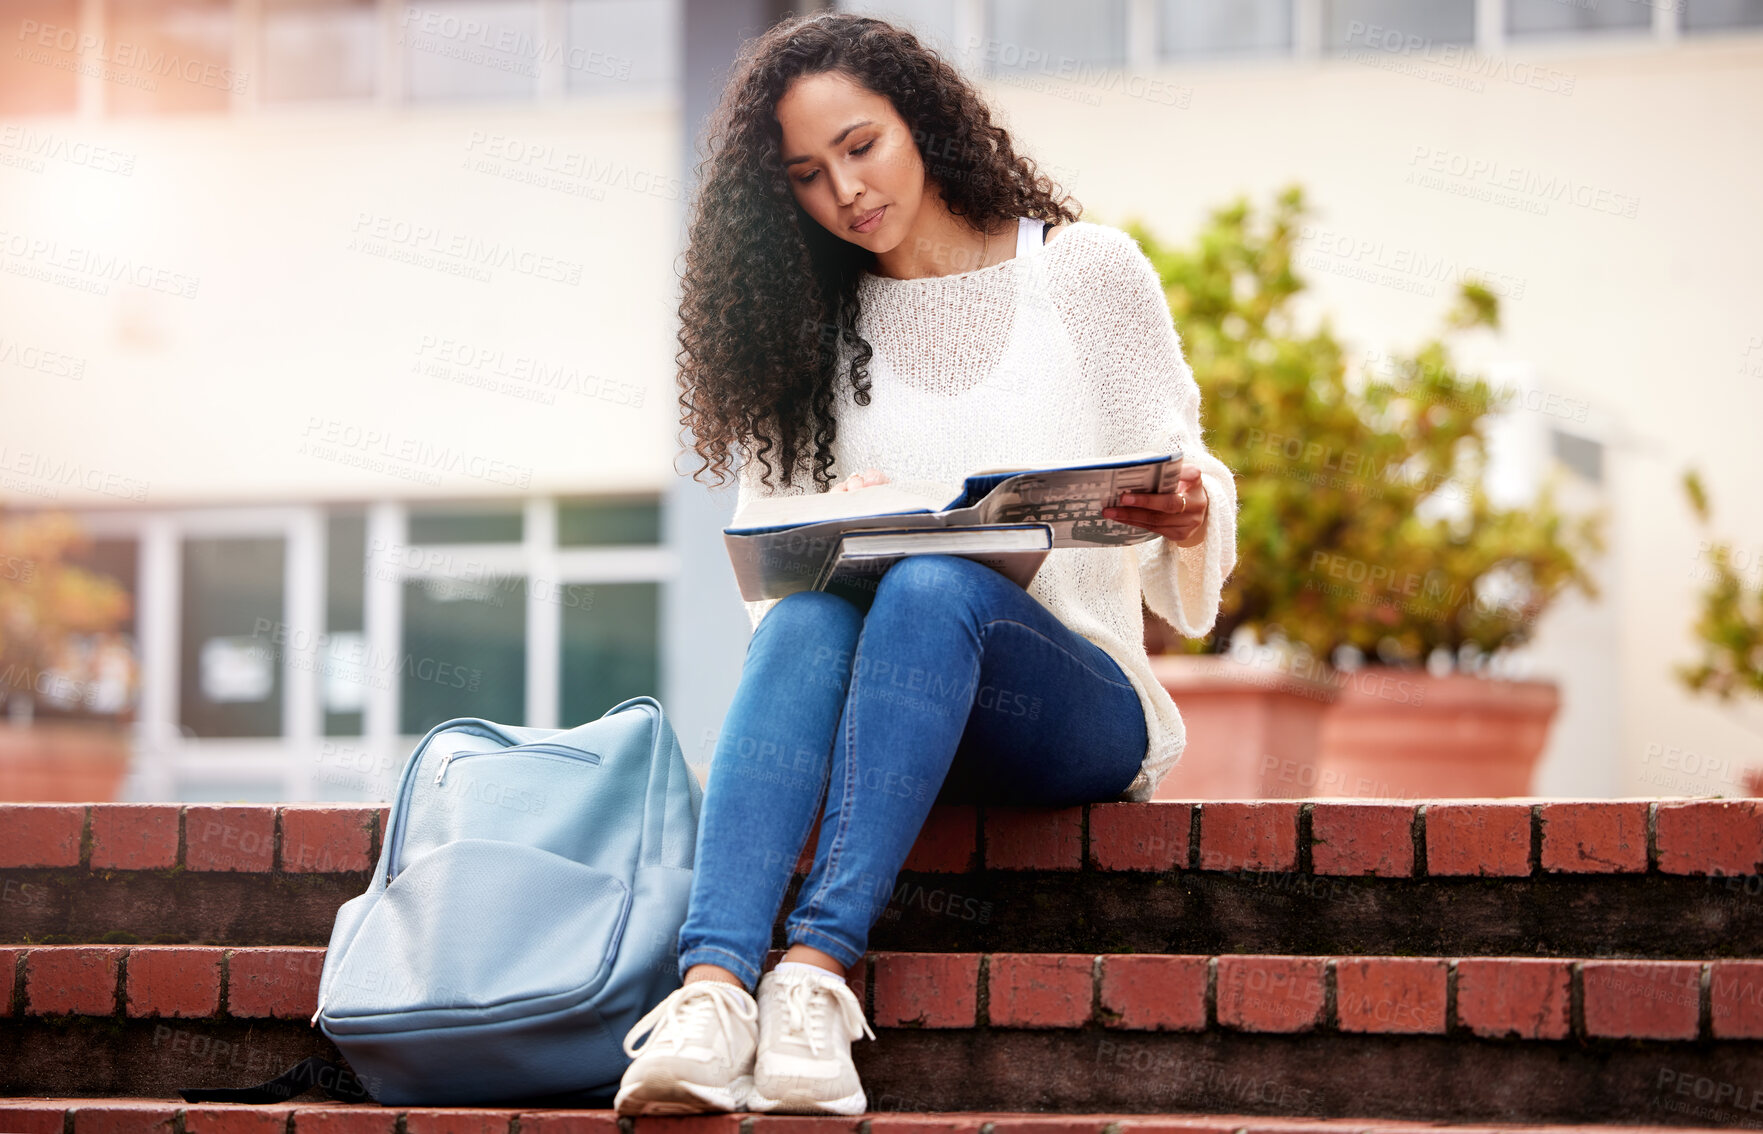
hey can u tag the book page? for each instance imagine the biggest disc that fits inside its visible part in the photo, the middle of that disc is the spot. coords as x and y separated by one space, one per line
870 500
1069 500
889 541
1148 454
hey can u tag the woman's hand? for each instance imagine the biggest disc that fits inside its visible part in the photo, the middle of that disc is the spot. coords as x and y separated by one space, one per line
1178 516
860 480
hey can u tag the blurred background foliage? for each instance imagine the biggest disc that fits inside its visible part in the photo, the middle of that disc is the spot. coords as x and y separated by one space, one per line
1363 526
1729 627
51 609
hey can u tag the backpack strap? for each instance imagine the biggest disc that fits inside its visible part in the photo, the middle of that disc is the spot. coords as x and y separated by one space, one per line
341 1084
336 1080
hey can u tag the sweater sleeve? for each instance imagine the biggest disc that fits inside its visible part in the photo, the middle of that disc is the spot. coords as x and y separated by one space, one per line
1151 401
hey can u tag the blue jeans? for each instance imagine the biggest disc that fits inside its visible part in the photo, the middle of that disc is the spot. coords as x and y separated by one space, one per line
950 685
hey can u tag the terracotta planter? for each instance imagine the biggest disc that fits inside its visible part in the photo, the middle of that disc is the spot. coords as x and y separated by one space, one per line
60 761
1404 734
1253 731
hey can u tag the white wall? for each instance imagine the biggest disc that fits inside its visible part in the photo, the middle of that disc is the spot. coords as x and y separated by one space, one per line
297 334
1647 318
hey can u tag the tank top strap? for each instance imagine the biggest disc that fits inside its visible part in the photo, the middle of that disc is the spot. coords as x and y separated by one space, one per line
1028 236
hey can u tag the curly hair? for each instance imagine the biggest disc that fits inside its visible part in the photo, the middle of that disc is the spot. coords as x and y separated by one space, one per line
768 294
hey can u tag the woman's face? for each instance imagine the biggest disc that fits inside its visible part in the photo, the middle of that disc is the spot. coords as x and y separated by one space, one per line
848 153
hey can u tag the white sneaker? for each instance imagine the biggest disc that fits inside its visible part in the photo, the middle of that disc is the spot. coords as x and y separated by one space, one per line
699 1054
806 1024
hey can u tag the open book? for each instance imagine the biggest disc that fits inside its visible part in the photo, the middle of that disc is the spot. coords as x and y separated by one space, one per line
782 544
861 558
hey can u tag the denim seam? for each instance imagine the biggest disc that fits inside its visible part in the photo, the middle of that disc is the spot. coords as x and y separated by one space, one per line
844 947
803 841
1126 685
832 850
833 846
741 961
1085 665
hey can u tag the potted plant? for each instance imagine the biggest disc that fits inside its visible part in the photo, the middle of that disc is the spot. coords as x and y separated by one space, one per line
1729 629
58 634
1370 562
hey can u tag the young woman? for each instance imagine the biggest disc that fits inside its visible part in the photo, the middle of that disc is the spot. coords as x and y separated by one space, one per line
879 287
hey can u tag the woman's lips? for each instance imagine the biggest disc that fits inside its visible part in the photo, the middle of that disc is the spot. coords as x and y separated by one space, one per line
870 224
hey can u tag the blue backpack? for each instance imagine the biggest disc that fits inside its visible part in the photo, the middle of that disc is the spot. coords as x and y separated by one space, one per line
523 916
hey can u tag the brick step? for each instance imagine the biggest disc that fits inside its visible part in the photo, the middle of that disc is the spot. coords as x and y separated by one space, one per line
1508 1039
173 1116
1642 878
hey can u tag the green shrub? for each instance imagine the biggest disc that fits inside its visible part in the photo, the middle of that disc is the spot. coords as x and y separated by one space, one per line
1730 625
1361 518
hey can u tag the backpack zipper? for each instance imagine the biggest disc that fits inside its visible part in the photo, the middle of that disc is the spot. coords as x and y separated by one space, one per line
477 726
537 746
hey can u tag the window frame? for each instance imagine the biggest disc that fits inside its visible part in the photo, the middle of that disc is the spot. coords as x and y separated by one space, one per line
293 765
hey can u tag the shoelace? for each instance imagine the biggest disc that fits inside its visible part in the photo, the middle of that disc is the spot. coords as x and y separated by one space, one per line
684 1014
807 1010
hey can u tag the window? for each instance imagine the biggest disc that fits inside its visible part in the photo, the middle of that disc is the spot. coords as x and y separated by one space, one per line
41 38
471 49
344 678
320 49
1054 38
234 640
1200 29
179 57
1351 24
610 646
932 21
1714 15
464 651
1572 17
598 522
622 45
465 644
1581 454
465 523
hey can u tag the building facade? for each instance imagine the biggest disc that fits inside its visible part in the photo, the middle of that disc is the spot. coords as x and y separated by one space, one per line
346 326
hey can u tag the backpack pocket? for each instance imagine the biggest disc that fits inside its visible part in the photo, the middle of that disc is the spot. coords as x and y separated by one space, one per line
453 942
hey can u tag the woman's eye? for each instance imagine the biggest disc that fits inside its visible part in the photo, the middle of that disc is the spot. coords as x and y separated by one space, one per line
867 146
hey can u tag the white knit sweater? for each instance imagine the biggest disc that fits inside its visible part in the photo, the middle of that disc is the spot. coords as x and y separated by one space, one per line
1062 352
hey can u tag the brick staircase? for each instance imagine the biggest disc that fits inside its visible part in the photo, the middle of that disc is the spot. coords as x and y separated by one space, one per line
1119 968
